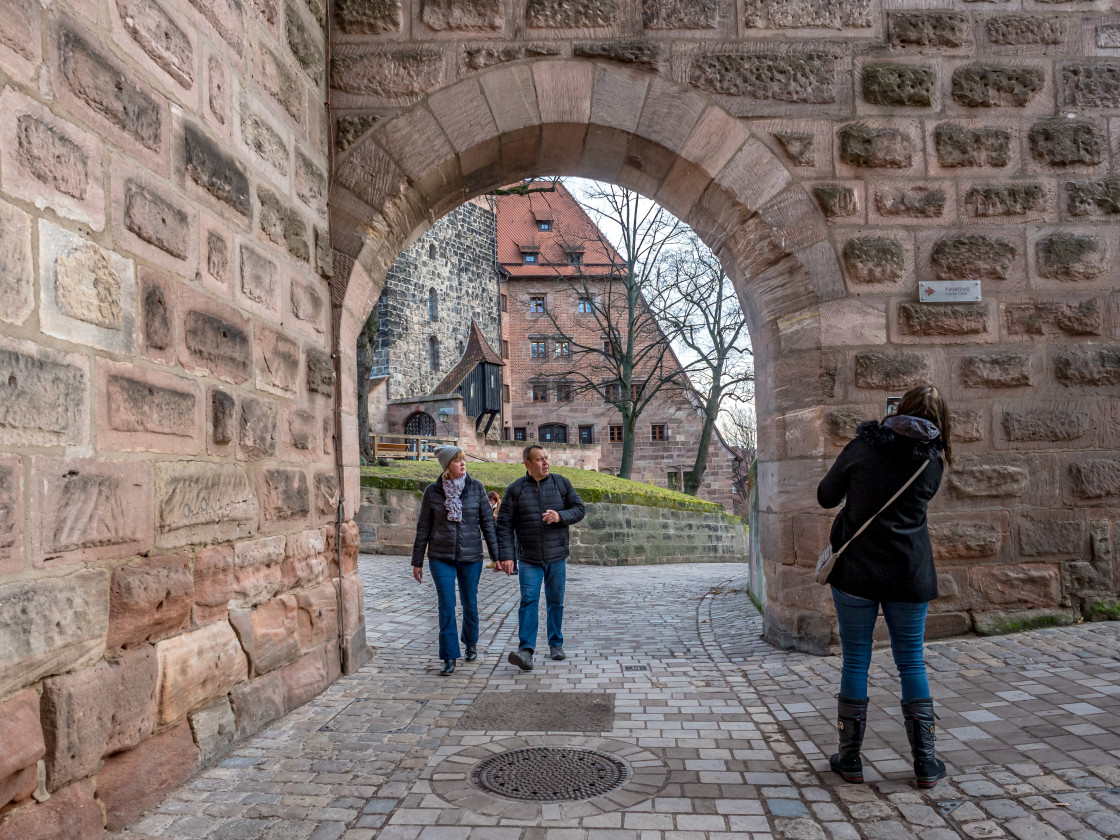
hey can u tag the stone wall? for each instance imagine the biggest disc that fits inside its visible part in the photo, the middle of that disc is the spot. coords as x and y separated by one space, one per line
168 552
610 534
455 259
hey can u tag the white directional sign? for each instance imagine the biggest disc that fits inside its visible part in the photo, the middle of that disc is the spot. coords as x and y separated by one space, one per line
949 291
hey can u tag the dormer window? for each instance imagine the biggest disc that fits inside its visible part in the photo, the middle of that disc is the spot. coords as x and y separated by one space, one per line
575 257
530 254
529 259
544 224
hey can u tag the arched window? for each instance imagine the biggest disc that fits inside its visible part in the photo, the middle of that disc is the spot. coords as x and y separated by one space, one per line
460 346
433 305
420 423
433 353
432 251
554 433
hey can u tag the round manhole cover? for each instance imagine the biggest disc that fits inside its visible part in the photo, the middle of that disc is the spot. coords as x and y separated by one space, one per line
550 774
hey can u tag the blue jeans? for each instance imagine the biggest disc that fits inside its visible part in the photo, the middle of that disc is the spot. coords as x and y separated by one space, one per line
530 578
907 626
444 575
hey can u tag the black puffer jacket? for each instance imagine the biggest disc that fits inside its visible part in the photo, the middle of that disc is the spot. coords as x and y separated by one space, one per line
524 504
892 560
455 542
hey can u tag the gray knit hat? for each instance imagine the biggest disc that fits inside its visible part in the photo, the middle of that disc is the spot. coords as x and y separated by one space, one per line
446 454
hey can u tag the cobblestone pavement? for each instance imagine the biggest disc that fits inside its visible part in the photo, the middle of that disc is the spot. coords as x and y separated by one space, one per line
724 737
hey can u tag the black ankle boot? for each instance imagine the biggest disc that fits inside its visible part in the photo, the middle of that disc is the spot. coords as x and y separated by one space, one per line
851 722
920 729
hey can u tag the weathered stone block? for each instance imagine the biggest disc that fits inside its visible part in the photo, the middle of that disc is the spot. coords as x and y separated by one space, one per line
991 86
798 146
863 146
979 480
1000 369
47 399
1003 200
218 173
150 602
305 561
807 14
268 634
1025 30
636 52
369 17
300 439
481 57
929 29
1062 142
51 157
680 14
17 295
968 425
196 668
156 219
51 625
86 509
950 319
257 571
1050 536
19 30
257 703
1026 586
281 225
223 417
277 362
310 183
11 514
972 257
1101 196
308 305
305 678
326 494
270 71
158 35
320 373
1095 479
228 19
318 615
873 259
258 429
809 78
902 85
963 540
214 729
72 813
303 43
260 280
894 372
463 15
285 496
217 257
395 74
157 316
570 14
917 202
1043 318
1091 85
22 734
836 200
1045 424
268 143
110 91
215 338
1069 256
140 410
957 145
135 781
96 711
217 90
203 502
87 294
1092 366
842 423
213 574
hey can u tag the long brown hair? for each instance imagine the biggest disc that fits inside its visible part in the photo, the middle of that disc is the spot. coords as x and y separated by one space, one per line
925 401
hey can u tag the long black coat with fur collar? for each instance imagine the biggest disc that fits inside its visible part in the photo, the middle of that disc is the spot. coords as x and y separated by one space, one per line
892 560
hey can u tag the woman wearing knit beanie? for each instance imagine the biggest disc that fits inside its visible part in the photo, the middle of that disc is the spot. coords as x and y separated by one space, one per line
455 516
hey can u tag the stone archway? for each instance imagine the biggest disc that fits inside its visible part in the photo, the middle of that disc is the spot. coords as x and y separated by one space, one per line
671 143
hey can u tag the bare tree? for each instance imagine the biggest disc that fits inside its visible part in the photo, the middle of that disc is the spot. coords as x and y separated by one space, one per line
740 431
365 349
700 313
632 362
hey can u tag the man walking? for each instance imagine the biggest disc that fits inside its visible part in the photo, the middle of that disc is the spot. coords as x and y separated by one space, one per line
537 509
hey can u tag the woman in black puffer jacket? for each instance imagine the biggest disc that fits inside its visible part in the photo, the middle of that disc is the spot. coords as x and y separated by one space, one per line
889 565
455 515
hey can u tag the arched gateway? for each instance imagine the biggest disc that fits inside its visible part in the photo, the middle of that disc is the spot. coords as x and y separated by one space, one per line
181 254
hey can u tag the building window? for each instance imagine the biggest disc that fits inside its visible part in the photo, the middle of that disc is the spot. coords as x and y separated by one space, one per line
420 423
537 349
505 349
614 392
433 305
587 435
459 347
564 391
505 303
636 390
563 349
519 433
433 353
554 433
544 224
540 392
616 434
657 432
575 258
673 479
606 347
432 252
536 304
584 307
528 258
505 393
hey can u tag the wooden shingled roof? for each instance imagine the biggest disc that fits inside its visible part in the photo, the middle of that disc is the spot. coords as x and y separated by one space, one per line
478 350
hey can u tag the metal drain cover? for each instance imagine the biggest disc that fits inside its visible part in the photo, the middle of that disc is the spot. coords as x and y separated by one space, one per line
550 774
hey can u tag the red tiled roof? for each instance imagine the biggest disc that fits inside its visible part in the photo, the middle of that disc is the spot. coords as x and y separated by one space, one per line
478 350
572 231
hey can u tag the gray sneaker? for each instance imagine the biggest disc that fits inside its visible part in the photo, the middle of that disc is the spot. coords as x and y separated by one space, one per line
557 653
523 659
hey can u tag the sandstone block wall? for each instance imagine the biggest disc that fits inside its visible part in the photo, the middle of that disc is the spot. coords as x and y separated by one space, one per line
168 576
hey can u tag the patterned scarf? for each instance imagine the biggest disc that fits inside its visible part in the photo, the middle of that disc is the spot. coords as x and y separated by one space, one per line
452 489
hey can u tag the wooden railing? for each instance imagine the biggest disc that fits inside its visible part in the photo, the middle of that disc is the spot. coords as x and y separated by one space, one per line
410 447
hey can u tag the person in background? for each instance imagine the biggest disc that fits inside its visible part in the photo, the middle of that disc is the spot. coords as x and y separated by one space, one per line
455 517
495 502
889 566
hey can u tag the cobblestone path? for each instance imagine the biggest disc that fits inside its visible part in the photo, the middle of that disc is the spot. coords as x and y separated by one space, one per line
724 736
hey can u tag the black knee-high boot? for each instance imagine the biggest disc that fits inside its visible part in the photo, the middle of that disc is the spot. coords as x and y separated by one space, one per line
920 730
851 722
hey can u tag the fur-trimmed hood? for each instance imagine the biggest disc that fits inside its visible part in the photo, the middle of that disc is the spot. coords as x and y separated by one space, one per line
921 434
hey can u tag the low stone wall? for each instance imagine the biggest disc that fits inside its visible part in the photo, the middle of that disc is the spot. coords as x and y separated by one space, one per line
610 535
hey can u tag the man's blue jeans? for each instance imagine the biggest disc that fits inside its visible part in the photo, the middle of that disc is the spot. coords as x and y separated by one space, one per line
907 626
531 577
444 576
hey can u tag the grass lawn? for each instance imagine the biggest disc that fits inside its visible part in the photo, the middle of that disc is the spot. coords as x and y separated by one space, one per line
592 486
